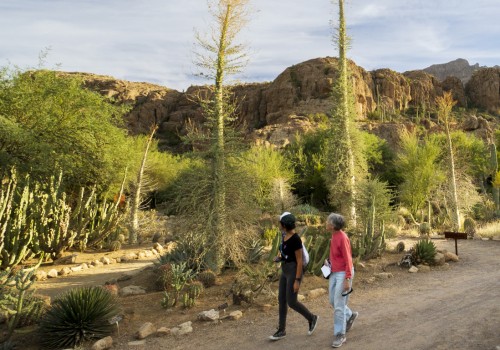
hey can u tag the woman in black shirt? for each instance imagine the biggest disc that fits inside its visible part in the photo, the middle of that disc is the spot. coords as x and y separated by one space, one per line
291 266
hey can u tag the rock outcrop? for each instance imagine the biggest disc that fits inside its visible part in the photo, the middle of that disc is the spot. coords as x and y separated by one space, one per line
483 90
459 68
293 99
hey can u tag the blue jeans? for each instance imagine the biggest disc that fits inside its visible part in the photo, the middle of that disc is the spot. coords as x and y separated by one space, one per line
341 311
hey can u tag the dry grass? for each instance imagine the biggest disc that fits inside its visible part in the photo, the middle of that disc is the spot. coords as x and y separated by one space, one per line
489 230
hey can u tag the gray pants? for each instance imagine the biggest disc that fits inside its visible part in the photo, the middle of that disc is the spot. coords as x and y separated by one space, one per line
287 297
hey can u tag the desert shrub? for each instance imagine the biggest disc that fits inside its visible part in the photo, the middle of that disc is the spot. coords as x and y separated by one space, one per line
310 219
490 229
156 237
270 233
8 345
187 250
424 252
255 251
470 227
78 315
251 281
306 209
424 228
207 277
392 231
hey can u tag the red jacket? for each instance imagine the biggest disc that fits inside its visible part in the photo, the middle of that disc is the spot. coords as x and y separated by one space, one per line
341 254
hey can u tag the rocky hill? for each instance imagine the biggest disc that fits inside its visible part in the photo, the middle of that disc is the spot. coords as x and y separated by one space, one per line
297 93
459 68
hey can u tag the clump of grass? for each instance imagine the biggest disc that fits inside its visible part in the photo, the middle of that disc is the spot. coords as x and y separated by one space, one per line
489 230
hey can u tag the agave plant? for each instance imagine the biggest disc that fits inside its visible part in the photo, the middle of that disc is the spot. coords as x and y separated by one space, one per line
78 315
424 252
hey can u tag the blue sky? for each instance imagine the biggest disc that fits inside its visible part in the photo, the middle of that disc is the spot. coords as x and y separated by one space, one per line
153 40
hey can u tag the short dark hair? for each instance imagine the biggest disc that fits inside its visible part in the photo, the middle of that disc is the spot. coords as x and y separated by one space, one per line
288 221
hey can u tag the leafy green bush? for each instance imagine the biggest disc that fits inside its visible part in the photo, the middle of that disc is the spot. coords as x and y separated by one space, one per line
78 315
269 234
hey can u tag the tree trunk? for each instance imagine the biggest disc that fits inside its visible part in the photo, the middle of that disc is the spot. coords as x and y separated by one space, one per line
136 197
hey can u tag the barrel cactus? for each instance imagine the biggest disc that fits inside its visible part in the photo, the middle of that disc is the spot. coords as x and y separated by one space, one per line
115 246
424 228
207 277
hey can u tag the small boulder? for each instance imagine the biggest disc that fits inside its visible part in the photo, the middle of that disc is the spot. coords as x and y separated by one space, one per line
210 315
103 344
52 273
132 290
145 331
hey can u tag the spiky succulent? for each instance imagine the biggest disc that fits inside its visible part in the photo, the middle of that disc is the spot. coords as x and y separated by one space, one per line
424 252
78 315
207 277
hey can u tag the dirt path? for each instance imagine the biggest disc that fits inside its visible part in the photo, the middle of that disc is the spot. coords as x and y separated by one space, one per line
457 308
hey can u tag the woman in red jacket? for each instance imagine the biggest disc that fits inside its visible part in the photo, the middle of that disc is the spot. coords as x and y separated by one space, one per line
340 280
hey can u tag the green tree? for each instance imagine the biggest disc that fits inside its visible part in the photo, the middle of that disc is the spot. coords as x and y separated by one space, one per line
274 175
418 167
48 121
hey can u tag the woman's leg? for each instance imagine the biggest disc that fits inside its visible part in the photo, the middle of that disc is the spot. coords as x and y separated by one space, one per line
339 303
282 296
291 297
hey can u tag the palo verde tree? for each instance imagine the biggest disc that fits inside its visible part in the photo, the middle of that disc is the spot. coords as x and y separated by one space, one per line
48 121
220 58
340 171
445 105
418 165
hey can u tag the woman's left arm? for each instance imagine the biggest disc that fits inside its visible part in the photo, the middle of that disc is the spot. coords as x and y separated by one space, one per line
299 271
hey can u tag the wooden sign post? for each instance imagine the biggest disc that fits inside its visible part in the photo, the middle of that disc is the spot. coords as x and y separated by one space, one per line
455 235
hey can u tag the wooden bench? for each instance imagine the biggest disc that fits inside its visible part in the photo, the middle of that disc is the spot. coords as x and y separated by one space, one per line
455 235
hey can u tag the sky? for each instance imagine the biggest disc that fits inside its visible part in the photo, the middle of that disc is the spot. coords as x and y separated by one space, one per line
154 40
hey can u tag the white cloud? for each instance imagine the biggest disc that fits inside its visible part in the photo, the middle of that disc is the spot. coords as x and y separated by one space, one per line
152 40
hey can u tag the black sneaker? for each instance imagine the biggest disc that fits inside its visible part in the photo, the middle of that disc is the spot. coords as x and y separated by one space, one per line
280 334
351 320
313 324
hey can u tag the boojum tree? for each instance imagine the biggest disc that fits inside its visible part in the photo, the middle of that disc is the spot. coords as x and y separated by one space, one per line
340 170
220 58
445 105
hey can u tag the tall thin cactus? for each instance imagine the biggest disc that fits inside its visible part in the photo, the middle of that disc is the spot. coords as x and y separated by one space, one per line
16 233
50 219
